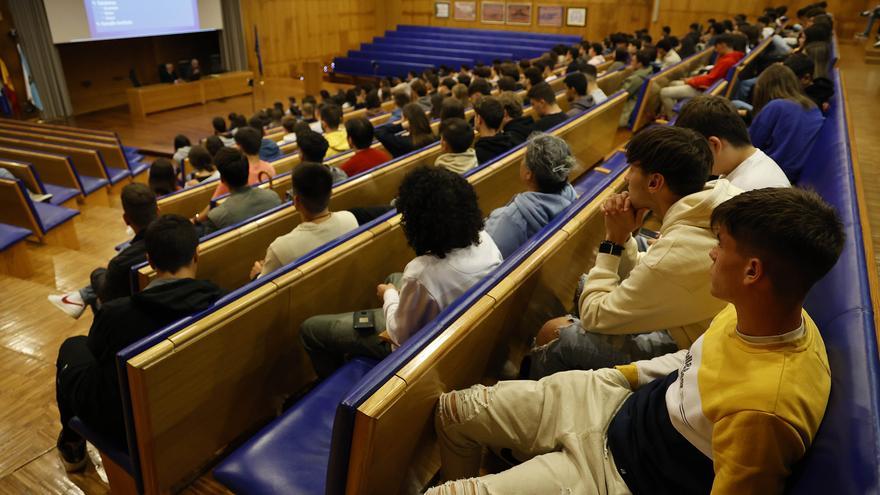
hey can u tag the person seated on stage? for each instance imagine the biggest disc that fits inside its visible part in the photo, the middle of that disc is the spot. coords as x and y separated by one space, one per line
106 284
693 86
213 144
182 145
820 89
456 138
162 177
195 70
677 423
360 137
87 381
167 74
544 173
453 253
576 93
515 125
489 117
289 125
314 147
641 64
735 159
666 54
478 89
243 202
248 140
331 118
310 116
543 100
421 94
312 185
203 163
451 108
219 125
593 88
420 134
786 122
595 54
638 306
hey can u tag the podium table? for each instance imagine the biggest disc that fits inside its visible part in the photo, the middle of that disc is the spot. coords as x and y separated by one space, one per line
158 97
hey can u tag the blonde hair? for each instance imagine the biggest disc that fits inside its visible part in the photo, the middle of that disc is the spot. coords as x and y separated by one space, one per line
779 82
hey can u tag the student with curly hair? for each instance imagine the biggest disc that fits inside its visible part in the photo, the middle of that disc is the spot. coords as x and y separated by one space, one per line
444 226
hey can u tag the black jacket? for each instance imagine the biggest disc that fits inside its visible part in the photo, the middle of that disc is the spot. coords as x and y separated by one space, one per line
124 321
519 129
820 91
488 148
550 121
117 279
397 145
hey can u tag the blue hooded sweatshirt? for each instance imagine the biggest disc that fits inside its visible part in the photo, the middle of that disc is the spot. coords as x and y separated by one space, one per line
269 150
512 225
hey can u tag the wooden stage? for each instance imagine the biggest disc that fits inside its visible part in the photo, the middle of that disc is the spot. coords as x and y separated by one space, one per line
156 131
31 329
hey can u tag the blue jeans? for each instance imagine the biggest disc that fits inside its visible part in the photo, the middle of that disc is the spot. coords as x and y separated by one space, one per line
744 89
577 349
871 19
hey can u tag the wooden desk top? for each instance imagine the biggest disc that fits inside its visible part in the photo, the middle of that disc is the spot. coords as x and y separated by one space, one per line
157 97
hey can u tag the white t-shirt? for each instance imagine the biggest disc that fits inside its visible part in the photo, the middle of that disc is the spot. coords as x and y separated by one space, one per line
598 95
597 60
756 172
306 237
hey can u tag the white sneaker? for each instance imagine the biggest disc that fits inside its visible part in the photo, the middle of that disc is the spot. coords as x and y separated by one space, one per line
877 44
41 198
72 304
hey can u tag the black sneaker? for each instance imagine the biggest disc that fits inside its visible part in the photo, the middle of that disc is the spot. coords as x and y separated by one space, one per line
73 454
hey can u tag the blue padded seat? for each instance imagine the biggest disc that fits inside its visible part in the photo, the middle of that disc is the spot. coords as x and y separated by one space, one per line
138 166
60 194
51 216
262 465
92 184
11 235
117 174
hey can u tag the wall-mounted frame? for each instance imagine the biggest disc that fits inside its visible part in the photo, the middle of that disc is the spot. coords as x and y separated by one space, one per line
441 10
465 11
519 14
492 12
550 15
576 16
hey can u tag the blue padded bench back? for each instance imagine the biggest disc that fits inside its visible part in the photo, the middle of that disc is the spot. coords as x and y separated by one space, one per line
558 38
845 454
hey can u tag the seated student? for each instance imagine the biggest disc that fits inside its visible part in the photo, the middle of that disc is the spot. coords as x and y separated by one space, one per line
203 163
543 100
460 93
680 90
313 147
360 137
436 105
479 88
544 172
507 83
420 134
595 55
312 185
641 64
421 94
576 93
243 202
786 121
515 124
401 96
213 144
331 118
666 54
532 77
310 116
373 104
818 89
593 88
489 117
621 58
452 254
219 125
87 383
162 177
640 306
289 125
248 140
451 108
735 159
181 150
677 423
456 154
106 284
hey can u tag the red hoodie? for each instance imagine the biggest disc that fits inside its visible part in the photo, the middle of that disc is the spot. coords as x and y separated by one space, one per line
722 65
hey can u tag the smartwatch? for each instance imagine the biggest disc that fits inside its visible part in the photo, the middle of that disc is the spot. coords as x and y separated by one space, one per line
608 247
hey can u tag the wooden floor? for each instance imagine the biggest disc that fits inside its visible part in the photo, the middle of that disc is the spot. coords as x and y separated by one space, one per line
31 330
157 131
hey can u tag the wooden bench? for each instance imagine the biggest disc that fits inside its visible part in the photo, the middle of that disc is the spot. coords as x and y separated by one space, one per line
48 223
649 95
25 172
745 63
65 128
59 170
14 258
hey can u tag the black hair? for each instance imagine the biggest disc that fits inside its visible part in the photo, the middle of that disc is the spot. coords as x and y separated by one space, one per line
590 71
727 39
457 133
360 131
479 85
171 242
162 177
451 108
666 29
200 158
533 74
542 91
436 105
621 55
257 122
237 121
289 124
418 87
372 100
511 70
464 79
802 65
180 141
597 47
645 57
139 204
506 83
797 235
714 116
681 156
448 82
491 112
219 124
312 145
331 115
313 184
578 81
439 211
664 45
213 144
249 140
233 167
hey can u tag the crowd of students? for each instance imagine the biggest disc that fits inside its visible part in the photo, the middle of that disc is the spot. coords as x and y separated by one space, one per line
677 346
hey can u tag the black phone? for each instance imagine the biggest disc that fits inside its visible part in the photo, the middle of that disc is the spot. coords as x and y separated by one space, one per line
364 321
649 233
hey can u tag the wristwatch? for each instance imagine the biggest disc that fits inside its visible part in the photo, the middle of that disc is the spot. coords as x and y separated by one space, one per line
608 247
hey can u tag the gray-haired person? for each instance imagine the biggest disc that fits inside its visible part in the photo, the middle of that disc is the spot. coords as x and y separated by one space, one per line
544 172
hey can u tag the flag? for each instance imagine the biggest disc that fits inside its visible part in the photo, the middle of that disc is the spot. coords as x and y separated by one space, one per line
257 50
30 85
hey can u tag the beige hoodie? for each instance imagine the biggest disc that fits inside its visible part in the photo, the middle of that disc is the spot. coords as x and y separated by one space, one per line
457 162
668 286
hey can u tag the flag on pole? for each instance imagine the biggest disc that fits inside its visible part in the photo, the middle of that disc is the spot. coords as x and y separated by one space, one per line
30 85
257 50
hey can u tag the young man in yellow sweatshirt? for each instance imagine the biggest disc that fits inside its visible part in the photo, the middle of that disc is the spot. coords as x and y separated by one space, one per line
641 305
334 132
732 414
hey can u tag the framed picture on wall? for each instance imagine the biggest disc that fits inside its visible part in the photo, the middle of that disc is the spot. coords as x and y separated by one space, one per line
519 13
576 16
550 15
492 13
465 11
441 10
